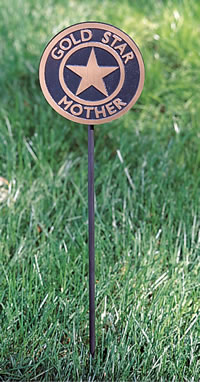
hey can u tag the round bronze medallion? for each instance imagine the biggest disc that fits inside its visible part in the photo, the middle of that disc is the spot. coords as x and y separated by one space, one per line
91 73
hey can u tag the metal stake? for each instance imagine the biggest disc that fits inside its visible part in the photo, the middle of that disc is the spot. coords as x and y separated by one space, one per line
91 237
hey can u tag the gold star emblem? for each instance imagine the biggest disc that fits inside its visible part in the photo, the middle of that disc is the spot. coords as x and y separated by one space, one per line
92 74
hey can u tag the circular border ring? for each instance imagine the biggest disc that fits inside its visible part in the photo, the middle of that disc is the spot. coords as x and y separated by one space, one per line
96 45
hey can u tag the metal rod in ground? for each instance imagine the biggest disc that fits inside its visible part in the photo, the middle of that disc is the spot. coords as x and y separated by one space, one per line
91 237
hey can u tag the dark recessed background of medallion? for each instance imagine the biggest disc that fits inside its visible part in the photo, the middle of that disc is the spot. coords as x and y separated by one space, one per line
132 73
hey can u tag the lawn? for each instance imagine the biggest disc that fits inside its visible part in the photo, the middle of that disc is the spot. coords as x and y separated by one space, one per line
147 224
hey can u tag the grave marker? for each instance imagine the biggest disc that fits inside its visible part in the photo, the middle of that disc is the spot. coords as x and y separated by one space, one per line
91 73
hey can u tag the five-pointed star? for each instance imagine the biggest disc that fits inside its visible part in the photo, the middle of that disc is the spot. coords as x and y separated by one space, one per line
92 74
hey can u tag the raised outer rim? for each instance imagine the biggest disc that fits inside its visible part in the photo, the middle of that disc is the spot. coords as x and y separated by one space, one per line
72 29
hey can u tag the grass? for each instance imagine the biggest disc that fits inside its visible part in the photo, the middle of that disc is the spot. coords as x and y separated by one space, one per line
147 229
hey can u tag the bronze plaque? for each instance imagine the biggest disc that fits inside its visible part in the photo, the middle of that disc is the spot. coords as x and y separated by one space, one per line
91 73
